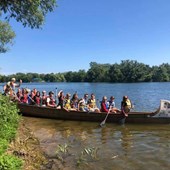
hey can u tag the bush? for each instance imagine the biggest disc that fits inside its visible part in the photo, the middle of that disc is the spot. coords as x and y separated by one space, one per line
9 120
9 162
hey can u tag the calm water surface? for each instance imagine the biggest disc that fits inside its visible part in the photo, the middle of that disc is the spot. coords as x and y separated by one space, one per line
131 147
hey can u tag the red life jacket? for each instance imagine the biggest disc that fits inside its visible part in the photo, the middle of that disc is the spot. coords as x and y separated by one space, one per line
37 100
24 98
44 100
52 101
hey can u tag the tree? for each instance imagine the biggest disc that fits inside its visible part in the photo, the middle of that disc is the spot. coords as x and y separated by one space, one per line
115 73
98 72
30 13
6 36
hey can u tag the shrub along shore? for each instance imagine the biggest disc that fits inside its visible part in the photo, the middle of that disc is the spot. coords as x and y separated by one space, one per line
19 149
9 120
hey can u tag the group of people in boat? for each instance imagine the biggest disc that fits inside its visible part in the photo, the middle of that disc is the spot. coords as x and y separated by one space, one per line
85 104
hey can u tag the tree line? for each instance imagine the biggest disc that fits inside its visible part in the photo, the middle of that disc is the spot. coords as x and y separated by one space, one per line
128 71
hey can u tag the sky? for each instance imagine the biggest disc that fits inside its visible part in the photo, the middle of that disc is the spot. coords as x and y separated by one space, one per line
78 32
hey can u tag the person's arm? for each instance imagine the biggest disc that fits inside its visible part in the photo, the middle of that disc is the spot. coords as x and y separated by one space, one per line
4 88
18 85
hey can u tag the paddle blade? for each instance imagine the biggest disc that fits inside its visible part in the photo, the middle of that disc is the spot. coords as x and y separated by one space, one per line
102 123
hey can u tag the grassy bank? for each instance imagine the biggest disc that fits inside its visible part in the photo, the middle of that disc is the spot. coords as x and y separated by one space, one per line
9 120
19 149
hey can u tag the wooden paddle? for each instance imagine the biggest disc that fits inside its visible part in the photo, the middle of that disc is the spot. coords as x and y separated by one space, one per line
56 95
104 121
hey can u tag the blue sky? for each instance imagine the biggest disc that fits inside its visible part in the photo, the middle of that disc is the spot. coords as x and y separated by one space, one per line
81 31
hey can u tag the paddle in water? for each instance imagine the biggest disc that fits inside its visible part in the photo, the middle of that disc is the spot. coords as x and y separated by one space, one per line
104 121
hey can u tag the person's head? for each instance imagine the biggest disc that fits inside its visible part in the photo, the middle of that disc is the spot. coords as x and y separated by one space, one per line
51 93
32 93
68 95
125 97
75 96
38 93
112 98
86 96
35 90
92 96
19 90
43 92
28 90
104 99
13 80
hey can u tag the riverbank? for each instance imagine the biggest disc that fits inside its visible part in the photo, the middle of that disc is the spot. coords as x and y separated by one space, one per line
26 147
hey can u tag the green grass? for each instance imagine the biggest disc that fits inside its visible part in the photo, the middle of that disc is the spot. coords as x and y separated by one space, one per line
9 120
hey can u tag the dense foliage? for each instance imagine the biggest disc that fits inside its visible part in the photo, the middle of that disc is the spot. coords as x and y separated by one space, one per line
6 36
8 126
30 13
127 71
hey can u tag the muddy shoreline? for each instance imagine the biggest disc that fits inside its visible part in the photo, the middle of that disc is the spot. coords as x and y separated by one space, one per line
27 147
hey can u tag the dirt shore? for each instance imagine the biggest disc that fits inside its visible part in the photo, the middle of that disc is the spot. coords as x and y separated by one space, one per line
26 147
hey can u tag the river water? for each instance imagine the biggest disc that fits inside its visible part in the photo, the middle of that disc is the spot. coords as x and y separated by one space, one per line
88 146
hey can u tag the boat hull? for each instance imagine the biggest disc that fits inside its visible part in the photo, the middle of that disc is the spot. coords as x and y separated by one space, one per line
61 114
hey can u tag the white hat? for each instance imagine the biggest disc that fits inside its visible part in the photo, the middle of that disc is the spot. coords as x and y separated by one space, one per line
27 90
13 79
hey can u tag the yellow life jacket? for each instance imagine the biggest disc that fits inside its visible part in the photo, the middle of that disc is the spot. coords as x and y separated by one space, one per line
128 103
92 103
67 104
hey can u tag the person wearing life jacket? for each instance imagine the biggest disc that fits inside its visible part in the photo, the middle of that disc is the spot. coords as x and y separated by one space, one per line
37 98
43 98
74 102
60 99
25 93
51 100
126 105
104 105
112 105
83 104
92 104
19 94
67 102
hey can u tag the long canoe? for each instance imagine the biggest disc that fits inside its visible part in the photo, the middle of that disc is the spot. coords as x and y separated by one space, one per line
161 115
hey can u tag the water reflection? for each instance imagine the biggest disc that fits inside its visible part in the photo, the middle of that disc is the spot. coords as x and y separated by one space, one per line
126 139
121 147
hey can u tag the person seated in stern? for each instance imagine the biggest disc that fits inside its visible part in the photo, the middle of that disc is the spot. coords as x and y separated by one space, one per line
92 104
50 100
126 105
112 105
